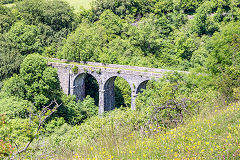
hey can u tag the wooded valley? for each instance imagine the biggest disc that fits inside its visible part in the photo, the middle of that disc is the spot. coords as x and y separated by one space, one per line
179 116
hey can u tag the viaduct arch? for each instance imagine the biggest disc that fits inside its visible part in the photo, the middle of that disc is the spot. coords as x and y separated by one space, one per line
72 79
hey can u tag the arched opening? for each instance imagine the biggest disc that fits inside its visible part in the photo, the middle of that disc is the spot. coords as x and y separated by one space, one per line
142 86
117 93
85 84
122 93
92 88
79 87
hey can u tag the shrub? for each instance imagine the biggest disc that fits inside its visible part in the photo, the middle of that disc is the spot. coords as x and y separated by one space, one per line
75 69
36 82
5 147
15 107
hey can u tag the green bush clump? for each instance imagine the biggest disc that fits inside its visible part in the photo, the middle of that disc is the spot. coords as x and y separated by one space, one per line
75 69
15 107
77 112
36 82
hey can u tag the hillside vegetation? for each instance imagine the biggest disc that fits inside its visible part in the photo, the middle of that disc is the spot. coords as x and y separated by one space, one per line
78 3
213 135
179 116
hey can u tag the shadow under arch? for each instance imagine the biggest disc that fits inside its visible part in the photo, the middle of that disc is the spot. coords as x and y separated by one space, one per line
86 84
113 94
142 86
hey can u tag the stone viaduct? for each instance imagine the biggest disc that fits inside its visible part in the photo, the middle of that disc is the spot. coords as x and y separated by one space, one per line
72 79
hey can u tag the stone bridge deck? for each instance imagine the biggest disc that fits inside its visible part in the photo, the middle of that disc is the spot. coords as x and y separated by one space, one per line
72 78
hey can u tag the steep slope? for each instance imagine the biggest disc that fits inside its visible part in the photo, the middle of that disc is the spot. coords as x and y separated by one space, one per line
214 135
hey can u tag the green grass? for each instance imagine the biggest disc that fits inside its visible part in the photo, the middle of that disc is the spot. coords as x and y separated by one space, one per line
214 135
74 3
77 3
9 5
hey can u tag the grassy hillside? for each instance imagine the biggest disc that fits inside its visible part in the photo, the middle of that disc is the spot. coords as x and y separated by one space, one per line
214 135
77 3
74 3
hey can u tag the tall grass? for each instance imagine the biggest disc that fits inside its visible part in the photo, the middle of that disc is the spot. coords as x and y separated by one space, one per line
209 136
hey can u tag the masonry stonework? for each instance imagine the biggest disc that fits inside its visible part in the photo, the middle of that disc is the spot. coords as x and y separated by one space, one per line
105 74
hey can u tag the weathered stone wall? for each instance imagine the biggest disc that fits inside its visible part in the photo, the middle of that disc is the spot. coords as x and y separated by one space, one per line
64 77
105 74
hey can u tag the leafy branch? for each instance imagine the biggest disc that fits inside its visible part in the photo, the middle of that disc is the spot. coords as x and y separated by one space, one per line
42 117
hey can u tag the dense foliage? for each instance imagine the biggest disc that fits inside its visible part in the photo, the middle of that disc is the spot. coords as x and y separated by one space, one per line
198 36
32 26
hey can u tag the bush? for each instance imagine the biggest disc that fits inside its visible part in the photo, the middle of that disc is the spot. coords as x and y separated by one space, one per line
75 69
123 8
224 49
55 13
36 82
27 38
173 98
6 18
5 147
14 107
76 112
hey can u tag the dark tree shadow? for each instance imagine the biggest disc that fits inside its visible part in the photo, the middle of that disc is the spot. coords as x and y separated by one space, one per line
91 88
